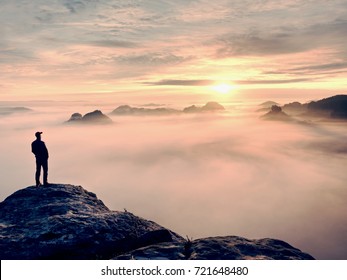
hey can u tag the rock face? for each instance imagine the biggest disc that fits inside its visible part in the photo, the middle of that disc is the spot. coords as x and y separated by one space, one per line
68 222
220 248
95 117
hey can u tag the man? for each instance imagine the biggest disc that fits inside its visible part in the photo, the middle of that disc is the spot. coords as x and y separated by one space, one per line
40 151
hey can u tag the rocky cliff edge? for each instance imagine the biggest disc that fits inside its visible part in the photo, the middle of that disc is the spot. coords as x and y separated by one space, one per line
68 222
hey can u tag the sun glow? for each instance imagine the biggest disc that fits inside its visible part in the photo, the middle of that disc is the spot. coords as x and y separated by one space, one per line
223 88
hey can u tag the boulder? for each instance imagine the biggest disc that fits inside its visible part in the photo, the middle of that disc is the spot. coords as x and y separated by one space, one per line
63 221
68 222
220 248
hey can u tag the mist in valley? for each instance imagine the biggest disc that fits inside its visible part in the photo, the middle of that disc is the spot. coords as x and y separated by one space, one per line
199 175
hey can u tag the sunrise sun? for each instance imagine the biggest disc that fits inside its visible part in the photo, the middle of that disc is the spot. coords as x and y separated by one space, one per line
223 88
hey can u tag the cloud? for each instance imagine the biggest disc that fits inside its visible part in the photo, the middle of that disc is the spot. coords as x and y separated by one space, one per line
74 6
312 70
274 81
157 58
265 43
212 82
232 172
321 67
181 83
112 44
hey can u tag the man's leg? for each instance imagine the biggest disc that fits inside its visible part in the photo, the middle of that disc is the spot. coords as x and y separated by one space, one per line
45 172
38 173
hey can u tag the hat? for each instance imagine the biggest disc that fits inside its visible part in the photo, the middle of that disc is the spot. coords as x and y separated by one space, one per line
38 133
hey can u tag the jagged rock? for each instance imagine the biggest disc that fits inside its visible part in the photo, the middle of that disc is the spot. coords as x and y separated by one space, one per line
68 222
95 117
220 248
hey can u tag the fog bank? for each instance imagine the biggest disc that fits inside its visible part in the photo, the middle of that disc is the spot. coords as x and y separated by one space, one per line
199 175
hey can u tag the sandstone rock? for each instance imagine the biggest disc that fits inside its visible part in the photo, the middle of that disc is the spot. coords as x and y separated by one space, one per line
68 222
220 248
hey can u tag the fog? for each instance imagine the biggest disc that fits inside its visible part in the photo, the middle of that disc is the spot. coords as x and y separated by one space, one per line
199 175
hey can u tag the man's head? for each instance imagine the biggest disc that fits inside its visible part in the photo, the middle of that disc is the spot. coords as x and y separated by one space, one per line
38 134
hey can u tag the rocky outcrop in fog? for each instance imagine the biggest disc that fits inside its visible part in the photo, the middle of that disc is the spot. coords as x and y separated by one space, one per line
68 222
276 114
95 117
331 108
208 107
335 106
128 110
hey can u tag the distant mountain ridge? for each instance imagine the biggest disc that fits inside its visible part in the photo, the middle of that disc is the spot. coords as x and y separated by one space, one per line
334 107
95 117
128 110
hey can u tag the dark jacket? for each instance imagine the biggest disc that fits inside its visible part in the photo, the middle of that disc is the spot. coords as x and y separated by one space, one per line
39 149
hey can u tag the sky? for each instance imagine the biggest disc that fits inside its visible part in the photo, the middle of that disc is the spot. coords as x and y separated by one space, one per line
141 48
227 173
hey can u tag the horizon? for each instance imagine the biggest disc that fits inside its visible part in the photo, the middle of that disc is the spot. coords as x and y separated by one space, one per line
225 173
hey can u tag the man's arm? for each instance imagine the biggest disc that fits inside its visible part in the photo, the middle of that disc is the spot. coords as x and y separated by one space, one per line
33 148
45 149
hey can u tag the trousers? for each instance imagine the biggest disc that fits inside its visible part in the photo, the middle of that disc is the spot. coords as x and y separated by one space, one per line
44 165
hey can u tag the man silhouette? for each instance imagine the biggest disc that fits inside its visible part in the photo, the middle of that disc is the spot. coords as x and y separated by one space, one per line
40 151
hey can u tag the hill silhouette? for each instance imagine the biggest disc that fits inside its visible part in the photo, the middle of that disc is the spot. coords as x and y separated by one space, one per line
131 111
128 110
276 114
208 107
334 106
95 117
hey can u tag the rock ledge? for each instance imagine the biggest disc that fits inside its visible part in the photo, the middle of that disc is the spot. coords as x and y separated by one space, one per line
63 221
